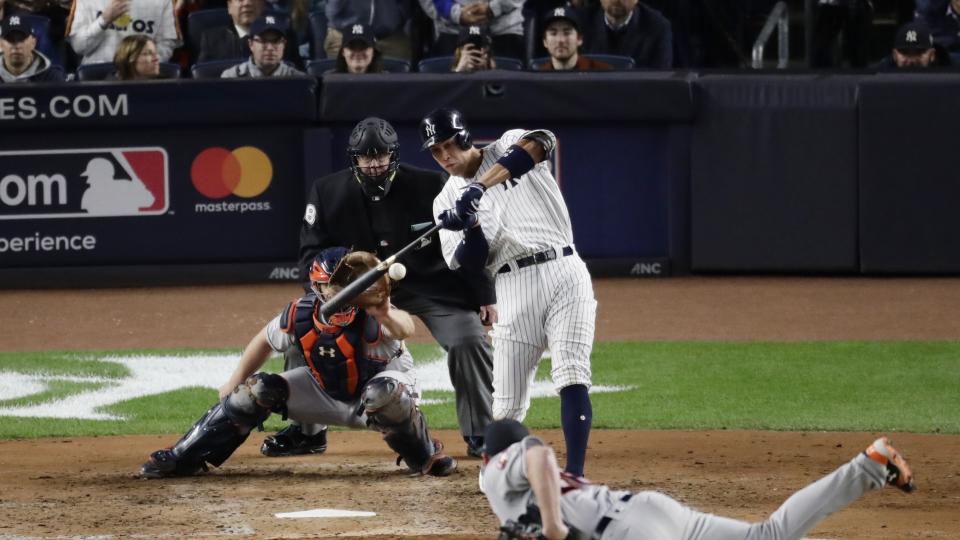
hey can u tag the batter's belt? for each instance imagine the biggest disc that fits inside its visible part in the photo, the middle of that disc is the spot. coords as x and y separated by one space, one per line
605 520
538 258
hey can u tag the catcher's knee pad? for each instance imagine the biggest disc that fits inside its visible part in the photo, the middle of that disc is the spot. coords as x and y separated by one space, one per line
391 409
252 401
211 440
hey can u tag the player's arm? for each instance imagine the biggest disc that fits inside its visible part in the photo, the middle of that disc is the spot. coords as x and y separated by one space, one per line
396 322
253 358
543 473
517 161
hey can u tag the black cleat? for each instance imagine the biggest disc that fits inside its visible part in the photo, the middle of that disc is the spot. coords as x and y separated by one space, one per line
163 464
290 441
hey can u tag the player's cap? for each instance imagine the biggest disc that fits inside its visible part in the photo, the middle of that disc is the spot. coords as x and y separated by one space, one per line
269 23
500 434
475 34
15 29
561 14
913 37
358 34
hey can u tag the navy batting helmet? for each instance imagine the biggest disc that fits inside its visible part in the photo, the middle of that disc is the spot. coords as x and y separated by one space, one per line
374 137
500 434
443 124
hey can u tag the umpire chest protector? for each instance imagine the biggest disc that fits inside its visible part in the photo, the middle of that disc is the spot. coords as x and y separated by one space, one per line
334 354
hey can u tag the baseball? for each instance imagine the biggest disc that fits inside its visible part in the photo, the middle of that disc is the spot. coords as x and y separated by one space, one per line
397 271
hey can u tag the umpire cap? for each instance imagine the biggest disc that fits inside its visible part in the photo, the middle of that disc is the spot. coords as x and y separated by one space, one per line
440 125
500 434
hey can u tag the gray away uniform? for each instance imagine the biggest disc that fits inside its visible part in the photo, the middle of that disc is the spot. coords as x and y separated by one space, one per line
649 515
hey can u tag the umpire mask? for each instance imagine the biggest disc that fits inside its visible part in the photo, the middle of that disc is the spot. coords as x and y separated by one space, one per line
370 139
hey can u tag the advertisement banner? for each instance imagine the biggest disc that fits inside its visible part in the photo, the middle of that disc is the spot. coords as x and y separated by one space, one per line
170 196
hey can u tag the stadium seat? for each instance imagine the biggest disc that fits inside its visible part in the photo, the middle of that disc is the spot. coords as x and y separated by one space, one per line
396 65
442 64
212 69
200 21
392 65
101 70
507 63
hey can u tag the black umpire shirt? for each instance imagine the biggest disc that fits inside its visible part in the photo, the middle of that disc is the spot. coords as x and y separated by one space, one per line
346 217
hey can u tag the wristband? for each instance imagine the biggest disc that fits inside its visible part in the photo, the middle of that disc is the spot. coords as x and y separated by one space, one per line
517 161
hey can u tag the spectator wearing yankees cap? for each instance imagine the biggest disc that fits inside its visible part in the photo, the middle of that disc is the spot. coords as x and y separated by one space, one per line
385 19
232 41
267 43
503 17
914 48
562 38
19 59
358 51
474 50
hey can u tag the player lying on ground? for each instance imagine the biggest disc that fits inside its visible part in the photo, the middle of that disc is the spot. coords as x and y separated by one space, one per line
533 499
359 374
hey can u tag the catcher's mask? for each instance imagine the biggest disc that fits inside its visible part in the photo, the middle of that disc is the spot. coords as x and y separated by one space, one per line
374 137
322 268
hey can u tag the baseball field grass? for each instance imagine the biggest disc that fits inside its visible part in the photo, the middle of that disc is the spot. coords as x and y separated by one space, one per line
834 386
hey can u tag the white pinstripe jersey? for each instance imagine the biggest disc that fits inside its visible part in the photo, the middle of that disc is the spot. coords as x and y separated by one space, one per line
518 217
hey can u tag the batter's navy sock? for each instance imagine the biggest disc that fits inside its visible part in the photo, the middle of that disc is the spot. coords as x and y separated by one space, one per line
576 417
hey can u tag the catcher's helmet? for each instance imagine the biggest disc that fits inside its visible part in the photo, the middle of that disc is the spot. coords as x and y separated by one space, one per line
443 124
322 268
373 137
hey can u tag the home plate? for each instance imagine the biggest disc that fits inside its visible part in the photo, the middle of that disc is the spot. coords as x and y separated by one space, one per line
325 513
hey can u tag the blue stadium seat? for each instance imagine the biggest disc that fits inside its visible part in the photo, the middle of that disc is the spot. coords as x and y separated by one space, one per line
392 65
318 34
212 69
200 21
618 62
443 64
507 63
102 70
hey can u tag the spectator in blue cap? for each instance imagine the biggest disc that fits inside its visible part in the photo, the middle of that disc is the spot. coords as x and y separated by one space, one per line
267 43
19 61
562 38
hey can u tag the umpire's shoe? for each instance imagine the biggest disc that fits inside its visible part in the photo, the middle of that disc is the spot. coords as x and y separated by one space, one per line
898 472
291 441
474 446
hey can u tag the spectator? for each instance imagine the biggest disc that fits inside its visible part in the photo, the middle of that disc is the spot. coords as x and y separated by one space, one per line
137 59
942 17
562 39
267 42
359 52
54 10
503 17
386 19
474 50
231 41
854 18
914 47
96 27
19 61
630 28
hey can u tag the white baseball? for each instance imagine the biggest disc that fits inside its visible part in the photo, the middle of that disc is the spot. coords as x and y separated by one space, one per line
397 271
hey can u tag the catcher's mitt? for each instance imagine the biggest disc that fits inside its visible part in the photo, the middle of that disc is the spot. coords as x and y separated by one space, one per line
352 266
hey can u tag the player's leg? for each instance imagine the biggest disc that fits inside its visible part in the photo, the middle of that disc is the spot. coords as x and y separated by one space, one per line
570 324
519 340
222 429
296 438
881 464
469 361
389 405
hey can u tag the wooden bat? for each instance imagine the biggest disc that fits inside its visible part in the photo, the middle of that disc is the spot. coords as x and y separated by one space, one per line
351 291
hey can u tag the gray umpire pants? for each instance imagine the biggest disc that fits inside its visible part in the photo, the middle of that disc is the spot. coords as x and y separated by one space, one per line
469 361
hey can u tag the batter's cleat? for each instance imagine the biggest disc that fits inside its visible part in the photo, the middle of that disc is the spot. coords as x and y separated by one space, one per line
163 464
898 472
290 441
439 463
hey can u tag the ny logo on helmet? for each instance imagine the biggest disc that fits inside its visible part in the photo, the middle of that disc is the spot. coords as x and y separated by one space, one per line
324 351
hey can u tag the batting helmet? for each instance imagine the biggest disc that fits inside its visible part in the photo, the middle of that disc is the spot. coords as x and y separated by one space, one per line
443 124
320 271
374 137
500 434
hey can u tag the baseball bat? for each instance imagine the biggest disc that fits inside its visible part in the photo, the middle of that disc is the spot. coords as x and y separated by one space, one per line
360 284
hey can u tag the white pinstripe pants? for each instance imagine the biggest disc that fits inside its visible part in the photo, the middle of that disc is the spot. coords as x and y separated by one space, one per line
540 306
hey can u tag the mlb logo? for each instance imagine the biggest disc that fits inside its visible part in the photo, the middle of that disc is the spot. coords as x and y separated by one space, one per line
89 182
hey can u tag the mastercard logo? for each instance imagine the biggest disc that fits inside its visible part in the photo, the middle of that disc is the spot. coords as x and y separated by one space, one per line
245 172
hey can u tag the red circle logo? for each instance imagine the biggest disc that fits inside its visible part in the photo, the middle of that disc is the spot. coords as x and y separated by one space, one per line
245 172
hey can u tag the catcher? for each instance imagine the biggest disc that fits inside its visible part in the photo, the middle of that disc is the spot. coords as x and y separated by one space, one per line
534 500
358 375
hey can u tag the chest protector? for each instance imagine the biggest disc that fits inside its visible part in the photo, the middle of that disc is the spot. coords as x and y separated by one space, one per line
334 354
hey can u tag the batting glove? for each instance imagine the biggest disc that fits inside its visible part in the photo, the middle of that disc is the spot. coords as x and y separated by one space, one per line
469 200
451 220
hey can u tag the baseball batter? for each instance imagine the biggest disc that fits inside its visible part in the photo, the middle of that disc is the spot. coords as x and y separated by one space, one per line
503 212
531 497
358 374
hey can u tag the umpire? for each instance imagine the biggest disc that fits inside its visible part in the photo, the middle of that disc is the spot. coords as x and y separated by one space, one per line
380 205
